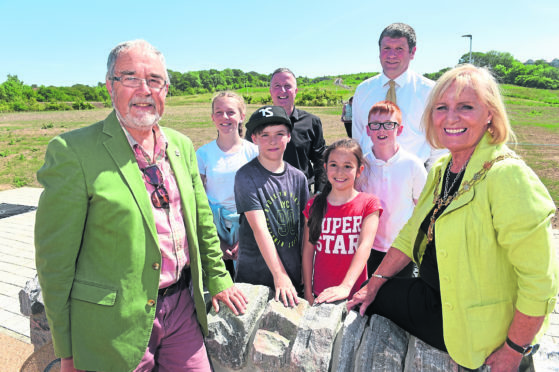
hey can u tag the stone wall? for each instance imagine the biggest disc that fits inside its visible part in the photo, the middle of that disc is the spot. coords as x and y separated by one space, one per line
271 337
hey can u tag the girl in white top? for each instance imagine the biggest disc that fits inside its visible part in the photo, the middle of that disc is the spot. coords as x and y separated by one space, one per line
218 162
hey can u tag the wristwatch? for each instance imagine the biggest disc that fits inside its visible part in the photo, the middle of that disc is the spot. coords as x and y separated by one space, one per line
524 350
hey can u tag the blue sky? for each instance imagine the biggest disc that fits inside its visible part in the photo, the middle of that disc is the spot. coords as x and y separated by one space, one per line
67 42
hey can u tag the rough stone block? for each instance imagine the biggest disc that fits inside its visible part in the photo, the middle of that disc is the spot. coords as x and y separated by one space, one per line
383 347
312 348
281 319
278 326
547 357
229 335
269 351
423 357
347 342
39 330
31 298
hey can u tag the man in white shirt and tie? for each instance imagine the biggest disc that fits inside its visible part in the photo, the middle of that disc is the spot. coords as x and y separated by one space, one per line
410 91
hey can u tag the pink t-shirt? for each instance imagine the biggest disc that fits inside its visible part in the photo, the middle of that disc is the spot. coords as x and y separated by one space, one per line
339 240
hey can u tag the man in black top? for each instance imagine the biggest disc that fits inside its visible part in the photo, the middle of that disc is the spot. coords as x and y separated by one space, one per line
307 144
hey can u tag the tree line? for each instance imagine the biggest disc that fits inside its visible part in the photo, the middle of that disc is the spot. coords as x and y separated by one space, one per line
17 96
532 74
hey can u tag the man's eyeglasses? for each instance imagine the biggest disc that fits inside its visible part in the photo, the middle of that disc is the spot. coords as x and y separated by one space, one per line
134 82
159 196
388 125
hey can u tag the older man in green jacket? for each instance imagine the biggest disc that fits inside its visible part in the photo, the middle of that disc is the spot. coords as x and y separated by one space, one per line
124 235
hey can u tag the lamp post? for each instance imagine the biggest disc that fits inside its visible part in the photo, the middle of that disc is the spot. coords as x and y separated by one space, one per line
470 36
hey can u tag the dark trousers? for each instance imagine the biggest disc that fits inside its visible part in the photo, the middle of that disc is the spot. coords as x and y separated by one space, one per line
347 126
230 266
414 307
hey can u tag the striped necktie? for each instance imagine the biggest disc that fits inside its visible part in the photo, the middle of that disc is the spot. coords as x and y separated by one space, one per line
391 94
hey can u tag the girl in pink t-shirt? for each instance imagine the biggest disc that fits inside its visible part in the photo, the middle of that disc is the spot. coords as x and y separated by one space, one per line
340 228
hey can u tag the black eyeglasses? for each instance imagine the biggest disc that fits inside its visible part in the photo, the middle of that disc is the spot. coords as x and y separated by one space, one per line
388 125
134 82
159 196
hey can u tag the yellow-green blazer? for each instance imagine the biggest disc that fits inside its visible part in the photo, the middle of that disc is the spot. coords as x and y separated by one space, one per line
494 251
97 251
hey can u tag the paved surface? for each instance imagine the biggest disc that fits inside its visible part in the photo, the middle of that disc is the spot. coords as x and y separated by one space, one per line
17 260
17 266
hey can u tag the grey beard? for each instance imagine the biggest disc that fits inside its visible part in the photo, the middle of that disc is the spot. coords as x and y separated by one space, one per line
145 122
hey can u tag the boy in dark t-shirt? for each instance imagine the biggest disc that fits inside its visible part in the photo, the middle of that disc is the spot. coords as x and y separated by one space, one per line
270 195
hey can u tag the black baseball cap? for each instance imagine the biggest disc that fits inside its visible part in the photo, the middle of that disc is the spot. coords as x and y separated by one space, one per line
268 115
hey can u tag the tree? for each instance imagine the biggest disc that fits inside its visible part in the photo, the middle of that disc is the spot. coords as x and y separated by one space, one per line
13 89
489 59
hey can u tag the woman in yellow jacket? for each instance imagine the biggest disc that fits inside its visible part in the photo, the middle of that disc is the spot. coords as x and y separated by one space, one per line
480 234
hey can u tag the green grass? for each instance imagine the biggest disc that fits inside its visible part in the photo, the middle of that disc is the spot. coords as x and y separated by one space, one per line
24 136
531 96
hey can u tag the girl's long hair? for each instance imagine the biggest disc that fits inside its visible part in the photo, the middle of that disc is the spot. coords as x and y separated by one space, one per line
319 207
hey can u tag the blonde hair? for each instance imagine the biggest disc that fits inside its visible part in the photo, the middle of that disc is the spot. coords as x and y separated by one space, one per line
486 89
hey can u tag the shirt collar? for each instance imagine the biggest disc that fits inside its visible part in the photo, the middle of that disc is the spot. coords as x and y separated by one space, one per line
381 162
401 80
161 143
294 114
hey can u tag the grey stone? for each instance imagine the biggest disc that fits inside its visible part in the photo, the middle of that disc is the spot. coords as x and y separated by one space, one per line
282 319
423 357
547 357
269 351
229 335
312 348
31 298
31 305
39 330
276 331
347 342
383 347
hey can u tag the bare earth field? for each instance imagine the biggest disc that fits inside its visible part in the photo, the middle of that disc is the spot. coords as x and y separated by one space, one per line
24 136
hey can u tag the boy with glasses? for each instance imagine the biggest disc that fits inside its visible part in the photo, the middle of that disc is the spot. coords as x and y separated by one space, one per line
270 195
394 175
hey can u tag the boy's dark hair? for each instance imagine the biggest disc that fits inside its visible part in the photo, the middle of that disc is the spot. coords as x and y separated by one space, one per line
398 30
261 128
318 208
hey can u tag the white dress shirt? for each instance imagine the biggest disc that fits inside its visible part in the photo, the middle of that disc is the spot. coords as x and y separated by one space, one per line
412 91
396 182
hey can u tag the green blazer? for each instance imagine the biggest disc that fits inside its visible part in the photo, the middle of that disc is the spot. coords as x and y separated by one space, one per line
97 252
494 251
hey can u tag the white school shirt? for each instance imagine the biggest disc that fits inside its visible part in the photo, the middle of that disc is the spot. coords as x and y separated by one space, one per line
220 169
396 183
412 91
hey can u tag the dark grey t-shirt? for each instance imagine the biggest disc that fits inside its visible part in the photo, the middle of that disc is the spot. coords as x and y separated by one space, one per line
282 197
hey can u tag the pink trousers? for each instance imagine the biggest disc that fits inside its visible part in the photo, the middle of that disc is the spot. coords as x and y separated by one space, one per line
176 342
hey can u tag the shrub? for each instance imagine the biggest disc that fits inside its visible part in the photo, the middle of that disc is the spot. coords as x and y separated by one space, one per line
267 99
248 98
18 106
82 105
56 106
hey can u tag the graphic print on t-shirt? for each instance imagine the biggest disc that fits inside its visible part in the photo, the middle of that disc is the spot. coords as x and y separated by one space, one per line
284 207
335 230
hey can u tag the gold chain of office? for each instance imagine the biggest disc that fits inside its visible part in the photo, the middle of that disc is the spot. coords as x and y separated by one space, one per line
466 186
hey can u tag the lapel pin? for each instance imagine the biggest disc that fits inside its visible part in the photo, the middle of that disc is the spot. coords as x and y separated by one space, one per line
177 153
